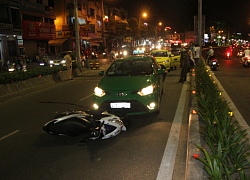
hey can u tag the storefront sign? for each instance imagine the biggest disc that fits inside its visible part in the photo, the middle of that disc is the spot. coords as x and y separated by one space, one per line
6 28
63 34
38 30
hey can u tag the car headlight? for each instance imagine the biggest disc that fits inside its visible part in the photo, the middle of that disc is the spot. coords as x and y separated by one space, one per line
125 53
99 92
63 61
146 91
51 62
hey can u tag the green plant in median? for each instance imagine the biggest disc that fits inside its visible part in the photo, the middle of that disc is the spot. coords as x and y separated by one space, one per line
16 76
226 140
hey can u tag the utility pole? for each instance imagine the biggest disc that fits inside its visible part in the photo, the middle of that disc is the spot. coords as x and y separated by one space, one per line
78 59
103 27
200 25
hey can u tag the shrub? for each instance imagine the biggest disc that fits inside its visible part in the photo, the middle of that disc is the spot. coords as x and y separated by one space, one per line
225 139
11 77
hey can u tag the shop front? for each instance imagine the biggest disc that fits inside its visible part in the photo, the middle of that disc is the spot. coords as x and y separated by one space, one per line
36 36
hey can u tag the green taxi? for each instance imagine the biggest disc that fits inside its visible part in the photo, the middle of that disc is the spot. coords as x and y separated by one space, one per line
132 85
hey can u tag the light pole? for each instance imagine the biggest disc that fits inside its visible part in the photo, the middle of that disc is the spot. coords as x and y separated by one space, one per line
77 37
200 25
103 27
143 15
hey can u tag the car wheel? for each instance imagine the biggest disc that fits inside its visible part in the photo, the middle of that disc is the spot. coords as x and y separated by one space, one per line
159 103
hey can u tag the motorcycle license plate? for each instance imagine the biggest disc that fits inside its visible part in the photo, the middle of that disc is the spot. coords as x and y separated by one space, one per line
120 105
213 63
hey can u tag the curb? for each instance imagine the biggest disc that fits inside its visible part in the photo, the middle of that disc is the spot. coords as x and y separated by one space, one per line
194 168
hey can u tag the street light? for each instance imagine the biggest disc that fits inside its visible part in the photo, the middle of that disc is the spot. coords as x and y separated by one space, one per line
144 15
159 29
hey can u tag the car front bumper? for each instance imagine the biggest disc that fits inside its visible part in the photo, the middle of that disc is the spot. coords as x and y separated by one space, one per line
139 105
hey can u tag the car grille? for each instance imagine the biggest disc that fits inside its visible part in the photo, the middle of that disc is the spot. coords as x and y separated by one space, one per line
120 93
135 107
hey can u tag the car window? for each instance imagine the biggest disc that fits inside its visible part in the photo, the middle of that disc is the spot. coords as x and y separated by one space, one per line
130 68
160 54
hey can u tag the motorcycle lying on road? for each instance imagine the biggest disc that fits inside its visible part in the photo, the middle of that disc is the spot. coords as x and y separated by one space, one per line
74 123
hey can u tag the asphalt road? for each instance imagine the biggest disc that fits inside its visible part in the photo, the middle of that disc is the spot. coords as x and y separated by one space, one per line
27 152
234 78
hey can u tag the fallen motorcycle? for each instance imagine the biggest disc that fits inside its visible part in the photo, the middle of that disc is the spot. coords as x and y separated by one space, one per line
74 123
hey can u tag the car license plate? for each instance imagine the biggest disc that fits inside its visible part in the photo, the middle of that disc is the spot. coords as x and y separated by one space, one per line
120 105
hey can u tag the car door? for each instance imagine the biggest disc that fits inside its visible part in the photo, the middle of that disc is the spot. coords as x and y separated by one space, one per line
159 78
175 59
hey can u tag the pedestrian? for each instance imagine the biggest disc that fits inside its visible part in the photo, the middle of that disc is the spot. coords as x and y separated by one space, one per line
184 59
68 59
191 59
196 53
210 53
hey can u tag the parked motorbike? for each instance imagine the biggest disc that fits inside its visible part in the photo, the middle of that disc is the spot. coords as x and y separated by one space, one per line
74 123
94 64
94 55
213 63
15 66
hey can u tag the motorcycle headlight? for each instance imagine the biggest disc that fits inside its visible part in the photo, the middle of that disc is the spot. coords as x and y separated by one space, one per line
146 91
99 92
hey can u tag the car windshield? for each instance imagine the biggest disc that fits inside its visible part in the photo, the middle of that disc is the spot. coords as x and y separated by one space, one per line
160 54
130 68
62 54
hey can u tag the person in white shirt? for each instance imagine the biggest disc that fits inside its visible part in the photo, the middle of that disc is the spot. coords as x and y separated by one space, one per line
247 54
196 53
210 53
68 59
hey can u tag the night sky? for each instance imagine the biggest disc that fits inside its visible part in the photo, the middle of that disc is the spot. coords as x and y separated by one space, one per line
179 14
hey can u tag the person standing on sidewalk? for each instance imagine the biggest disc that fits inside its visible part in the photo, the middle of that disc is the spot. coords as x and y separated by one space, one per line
184 65
69 65
196 53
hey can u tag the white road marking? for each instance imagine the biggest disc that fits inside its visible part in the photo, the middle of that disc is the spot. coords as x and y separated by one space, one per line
168 161
8 135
